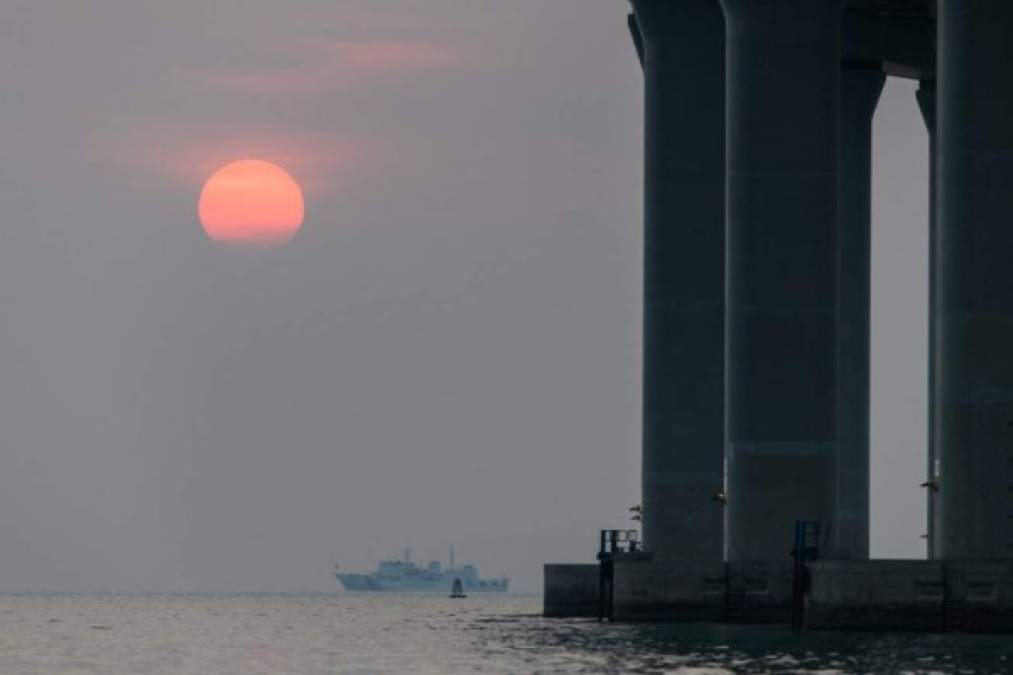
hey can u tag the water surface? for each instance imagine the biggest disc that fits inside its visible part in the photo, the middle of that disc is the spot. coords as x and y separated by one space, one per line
367 633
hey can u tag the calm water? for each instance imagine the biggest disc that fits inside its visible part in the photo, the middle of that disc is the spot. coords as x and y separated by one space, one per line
351 633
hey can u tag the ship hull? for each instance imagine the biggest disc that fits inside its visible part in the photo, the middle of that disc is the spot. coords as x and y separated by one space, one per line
370 582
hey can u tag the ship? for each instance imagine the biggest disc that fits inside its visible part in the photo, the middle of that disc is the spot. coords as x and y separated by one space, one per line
407 577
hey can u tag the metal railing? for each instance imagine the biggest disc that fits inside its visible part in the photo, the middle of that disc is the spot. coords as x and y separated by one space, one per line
611 544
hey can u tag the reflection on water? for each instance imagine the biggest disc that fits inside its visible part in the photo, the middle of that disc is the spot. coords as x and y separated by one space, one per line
370 633
702 648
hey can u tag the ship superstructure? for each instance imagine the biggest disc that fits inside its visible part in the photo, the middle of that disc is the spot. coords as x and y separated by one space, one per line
405 576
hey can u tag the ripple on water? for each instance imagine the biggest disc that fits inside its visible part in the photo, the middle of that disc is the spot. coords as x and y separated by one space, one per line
363 633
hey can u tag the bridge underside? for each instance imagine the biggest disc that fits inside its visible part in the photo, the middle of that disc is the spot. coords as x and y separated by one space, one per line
899 34
757 219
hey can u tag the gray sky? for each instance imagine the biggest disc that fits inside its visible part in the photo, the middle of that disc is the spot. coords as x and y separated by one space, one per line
448 352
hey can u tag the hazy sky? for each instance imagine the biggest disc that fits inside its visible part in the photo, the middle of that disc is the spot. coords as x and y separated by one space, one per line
447 353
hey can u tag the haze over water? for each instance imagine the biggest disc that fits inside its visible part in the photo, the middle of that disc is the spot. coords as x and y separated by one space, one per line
448 352
363 633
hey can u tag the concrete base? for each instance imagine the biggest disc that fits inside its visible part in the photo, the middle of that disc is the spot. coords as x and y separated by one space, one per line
987 590
759 592
571 591
658 591
646 590
926 595
916 595
701 591
884 594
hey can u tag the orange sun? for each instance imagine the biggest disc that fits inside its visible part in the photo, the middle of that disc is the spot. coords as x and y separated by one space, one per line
251 201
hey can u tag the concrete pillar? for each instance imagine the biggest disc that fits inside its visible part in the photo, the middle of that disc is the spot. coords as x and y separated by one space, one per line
926 96
974 320
783 107
683 423
861 86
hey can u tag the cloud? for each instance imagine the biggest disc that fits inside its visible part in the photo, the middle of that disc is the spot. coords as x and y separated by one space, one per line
320 162
328 64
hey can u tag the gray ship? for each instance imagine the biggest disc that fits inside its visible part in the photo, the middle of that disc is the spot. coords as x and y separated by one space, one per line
407 577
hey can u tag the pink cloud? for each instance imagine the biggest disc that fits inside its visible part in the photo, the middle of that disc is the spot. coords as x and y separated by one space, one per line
320 162
334 63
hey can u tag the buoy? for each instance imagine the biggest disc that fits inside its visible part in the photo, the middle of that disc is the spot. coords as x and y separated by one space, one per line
457 589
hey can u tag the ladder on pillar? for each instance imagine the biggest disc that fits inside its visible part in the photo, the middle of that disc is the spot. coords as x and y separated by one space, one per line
613 544
807 546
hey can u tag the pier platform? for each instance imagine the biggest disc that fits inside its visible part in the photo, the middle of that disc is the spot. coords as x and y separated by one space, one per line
909 595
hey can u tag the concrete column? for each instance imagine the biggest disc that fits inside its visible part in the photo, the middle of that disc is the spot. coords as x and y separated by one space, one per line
683 424
926 96
974 320
783 107
861 86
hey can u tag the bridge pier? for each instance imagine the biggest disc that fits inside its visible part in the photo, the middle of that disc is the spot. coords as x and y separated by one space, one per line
975 250
767 362
684 248
783 70
861 86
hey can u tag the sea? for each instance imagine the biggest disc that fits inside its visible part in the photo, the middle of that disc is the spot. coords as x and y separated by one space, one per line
379 633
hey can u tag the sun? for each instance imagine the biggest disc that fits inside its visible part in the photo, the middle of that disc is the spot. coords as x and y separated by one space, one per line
251 201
